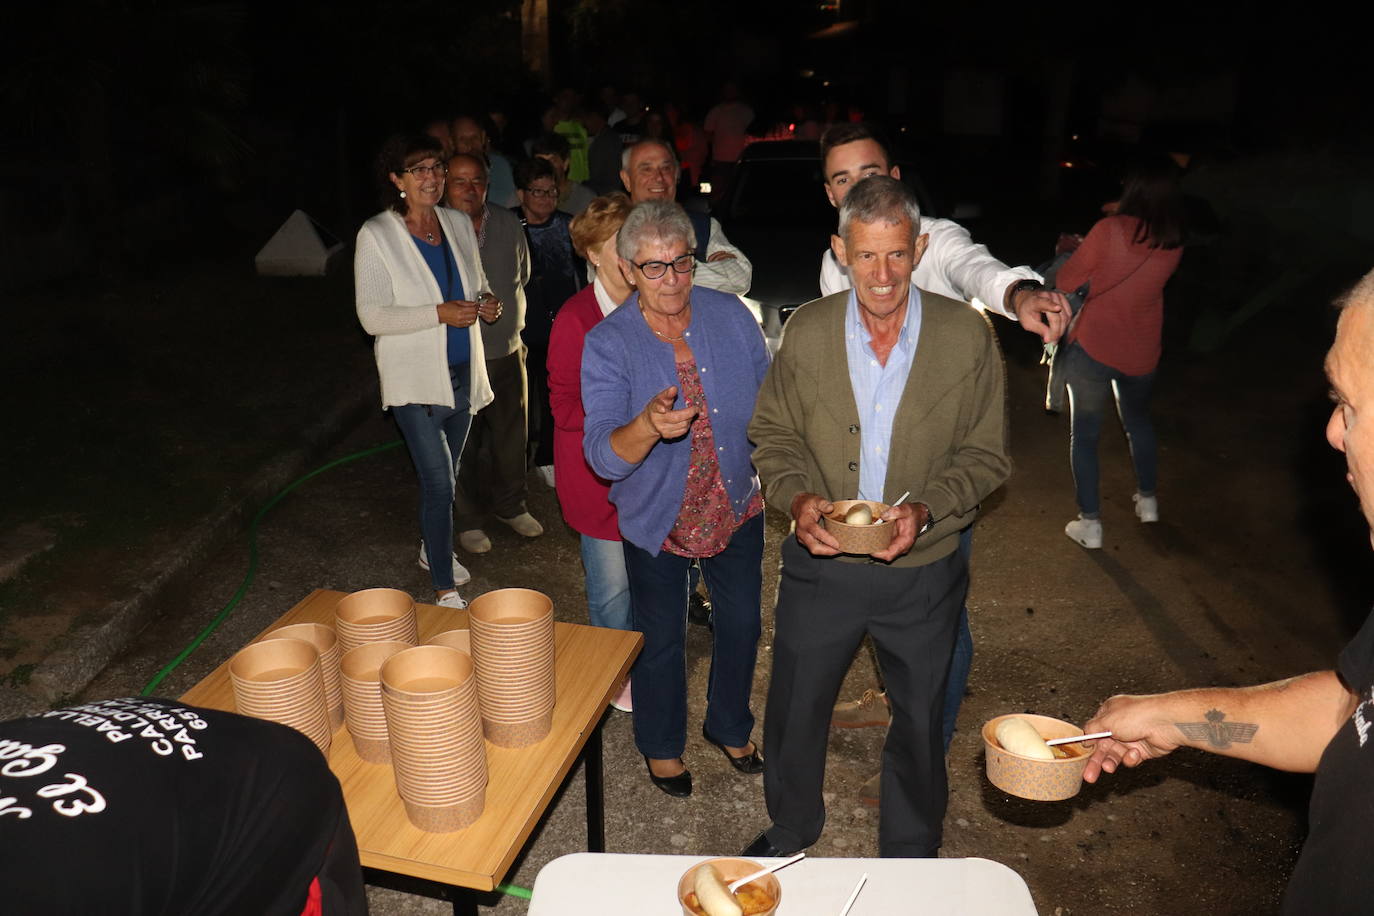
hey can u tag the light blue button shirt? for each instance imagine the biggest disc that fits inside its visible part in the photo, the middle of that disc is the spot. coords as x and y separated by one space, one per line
878 388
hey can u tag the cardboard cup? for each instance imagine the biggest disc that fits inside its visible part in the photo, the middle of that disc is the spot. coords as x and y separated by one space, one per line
518 734
360 679
731 870
326 641
372 750
446 818
509 605
859 539
433 723
1027 777
454 639
375 615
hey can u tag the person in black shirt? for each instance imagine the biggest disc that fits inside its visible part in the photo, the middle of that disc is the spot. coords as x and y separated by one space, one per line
1318 722
556 273
147 806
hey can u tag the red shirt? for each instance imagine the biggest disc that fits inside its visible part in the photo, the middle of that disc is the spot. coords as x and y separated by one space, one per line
1121 321
584 497
706 521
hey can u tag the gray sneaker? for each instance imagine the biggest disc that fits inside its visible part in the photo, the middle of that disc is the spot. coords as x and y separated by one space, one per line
524 524
461 576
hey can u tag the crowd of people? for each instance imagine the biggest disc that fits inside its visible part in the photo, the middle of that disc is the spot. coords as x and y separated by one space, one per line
535 318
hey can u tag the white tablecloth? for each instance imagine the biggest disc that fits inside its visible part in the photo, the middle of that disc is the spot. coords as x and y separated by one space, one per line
591 884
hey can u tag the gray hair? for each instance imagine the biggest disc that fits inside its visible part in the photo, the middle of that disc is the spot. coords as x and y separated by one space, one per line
654 220
648 141
880 198
1361 294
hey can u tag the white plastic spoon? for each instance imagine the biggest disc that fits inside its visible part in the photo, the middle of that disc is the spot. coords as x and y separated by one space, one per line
736 885
1074 739
854 896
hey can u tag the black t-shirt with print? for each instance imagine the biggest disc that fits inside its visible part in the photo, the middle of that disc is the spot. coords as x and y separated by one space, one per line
1333 874
148 806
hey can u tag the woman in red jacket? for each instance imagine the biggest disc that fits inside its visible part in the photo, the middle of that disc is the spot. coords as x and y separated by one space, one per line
1114 346
584 497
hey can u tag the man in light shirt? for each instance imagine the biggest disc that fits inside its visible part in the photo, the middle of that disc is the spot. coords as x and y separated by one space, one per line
878 390
649 170
954 266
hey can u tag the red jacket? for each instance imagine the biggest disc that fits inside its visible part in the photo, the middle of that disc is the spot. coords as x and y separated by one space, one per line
1124 314
584 497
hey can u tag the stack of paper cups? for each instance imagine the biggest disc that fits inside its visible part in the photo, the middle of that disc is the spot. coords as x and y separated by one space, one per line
279 679
376 615
440 760
454 639
326 641
513 650
360 674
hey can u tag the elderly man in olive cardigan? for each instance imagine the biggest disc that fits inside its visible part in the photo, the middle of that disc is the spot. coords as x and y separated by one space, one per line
876 391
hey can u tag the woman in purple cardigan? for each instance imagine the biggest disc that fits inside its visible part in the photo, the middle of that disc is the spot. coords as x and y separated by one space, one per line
668 383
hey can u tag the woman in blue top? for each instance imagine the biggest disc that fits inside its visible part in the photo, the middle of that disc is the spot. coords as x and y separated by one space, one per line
420 290
668 382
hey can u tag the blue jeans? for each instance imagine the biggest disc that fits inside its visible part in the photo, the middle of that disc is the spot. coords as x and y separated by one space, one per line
658 598
1091 386
435 436
607 583
962 660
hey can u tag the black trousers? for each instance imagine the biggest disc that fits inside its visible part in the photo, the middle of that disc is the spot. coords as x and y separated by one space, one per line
491 474
825 608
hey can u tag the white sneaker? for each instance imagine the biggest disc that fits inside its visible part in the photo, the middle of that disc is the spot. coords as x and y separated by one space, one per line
622 700
453 600
523 524
1087 532
1146 508
474 540
546 473
461 576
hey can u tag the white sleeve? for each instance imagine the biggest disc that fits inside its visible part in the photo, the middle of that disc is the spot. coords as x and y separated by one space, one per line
958 265
833 277
731 275
378 311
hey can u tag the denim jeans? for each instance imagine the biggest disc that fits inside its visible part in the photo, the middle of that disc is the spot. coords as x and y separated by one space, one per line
607 583
434 436
1091 385
658 598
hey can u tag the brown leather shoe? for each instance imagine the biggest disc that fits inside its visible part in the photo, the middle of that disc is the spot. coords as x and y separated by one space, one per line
868 710
868 792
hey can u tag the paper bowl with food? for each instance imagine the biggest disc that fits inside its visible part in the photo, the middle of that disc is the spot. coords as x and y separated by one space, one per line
858 525
1019 763
703 890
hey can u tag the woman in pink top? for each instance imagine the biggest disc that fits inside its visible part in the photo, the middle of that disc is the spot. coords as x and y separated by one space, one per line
584 497
1113 348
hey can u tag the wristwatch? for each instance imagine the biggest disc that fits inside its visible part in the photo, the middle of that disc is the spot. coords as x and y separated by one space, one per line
1018 286
930 520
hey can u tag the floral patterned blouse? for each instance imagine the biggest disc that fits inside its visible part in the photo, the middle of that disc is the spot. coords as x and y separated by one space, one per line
705 523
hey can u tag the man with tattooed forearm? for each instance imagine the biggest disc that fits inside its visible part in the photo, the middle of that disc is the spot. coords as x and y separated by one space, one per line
1317 722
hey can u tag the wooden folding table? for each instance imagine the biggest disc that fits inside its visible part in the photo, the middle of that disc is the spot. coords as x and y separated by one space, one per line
590 664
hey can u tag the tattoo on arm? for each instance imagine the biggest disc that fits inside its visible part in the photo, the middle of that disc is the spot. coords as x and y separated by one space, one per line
1217 732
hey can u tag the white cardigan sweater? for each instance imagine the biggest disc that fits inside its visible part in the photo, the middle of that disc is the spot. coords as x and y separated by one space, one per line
397 297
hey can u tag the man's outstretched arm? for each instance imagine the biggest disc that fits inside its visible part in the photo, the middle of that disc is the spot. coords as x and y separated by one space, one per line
1285 725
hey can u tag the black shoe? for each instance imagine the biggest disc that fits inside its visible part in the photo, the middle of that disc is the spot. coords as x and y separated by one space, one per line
762 847
751 762
699 610
679 786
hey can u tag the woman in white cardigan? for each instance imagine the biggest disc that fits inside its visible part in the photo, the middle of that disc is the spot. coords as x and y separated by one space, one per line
420 290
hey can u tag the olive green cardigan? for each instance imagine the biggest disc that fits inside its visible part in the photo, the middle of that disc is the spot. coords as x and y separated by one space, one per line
949 439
